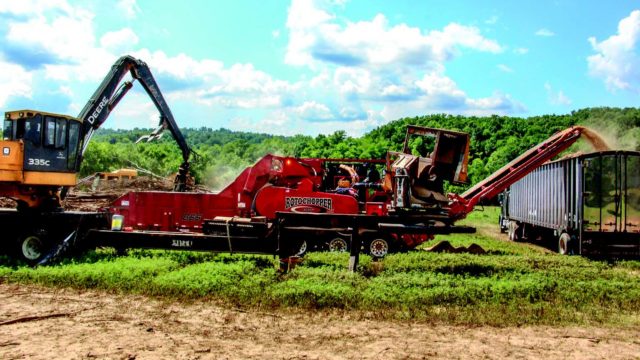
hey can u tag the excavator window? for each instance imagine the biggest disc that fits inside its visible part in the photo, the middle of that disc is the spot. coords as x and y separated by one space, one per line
50 131
7 130
74 136
61 133
32 128
18 132
55 132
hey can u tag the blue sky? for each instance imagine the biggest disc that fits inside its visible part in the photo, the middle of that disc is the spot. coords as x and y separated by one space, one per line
310 67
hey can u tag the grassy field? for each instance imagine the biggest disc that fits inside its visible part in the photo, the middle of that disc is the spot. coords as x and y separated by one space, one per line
512 284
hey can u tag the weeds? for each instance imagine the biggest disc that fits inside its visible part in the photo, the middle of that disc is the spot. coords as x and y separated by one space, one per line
514 284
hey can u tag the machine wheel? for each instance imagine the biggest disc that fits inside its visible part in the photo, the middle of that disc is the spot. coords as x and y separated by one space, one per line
512 231
564 244
338 244
32 248
303 249
378 248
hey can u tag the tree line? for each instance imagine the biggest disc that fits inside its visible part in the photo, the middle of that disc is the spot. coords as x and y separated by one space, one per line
222 153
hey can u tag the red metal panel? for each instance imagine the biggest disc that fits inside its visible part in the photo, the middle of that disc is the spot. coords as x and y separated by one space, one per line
273 184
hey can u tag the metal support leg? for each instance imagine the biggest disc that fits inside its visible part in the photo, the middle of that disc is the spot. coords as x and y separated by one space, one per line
229 234
356 243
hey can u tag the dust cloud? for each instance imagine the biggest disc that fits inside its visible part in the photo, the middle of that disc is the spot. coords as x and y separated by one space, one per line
614 135
595 138
219 176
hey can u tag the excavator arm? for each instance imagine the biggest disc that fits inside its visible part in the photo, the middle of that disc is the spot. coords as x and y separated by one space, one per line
461 205
109 94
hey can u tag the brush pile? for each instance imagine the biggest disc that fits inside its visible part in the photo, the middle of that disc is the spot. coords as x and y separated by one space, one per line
95 194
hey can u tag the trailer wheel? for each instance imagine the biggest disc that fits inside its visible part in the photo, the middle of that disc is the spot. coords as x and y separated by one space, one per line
378 248
303 248
338 244
512 231
564 244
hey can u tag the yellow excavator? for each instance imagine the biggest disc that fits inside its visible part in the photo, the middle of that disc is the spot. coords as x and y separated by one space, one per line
42 152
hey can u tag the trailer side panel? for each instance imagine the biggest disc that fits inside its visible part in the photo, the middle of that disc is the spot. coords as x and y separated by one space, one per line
593 198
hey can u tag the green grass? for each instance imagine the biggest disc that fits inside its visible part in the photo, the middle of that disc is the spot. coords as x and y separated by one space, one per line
513 284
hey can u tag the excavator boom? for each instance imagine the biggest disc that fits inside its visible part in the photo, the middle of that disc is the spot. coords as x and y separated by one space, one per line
109 94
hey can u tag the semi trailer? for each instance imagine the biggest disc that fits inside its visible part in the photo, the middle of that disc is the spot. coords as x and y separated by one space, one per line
587 204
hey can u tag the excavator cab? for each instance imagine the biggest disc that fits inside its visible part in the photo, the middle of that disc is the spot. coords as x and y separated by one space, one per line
39 148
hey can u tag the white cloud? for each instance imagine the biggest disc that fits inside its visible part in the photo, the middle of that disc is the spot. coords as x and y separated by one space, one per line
498 103
544 33
210 83
321 80
435 83
441 94
391 70
243 86
29 7
352 80
307 15
556 97
504 68
286 123
181 66
66 36
616 60
135 110
119 42
66 90
316 37
129 8
492 20
467 36
394 66
313 111
395 91
350 113
521 50
56 37
14 81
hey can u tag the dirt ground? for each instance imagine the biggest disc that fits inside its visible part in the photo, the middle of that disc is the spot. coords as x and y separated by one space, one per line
44 323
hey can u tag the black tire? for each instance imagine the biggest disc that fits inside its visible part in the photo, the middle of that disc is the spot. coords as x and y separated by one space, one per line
565 244
304 247
514 231
338 244
378 247
32 247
